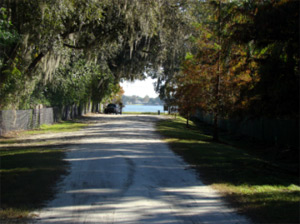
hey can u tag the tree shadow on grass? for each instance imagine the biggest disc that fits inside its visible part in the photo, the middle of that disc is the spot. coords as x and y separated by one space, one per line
254 185
28 177
224 165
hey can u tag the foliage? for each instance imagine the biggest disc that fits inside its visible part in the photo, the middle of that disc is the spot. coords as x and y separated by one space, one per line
8 37
245 61
214 76
247 51
119 39
8 34
273 28
115 96
70 84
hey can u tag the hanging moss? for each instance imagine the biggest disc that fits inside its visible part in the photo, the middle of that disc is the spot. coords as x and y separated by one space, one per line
123 37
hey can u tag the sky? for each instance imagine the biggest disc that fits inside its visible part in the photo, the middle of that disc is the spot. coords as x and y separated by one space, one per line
140 88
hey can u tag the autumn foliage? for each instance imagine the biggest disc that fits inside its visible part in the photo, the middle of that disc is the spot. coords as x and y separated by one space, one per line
243 64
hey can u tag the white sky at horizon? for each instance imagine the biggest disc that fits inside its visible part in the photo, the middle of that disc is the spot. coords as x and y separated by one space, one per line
140 88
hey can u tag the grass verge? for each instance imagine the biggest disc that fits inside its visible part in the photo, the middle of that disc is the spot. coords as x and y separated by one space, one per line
250 183
28 175
65 126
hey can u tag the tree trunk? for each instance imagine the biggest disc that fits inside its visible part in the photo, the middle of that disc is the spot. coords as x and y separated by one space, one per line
34 63
187 120
216 128
218 80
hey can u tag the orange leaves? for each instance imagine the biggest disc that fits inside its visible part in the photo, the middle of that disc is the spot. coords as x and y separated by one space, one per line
196 84
215 76
210 68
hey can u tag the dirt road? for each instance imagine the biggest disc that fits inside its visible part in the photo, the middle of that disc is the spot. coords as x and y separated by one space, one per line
122 172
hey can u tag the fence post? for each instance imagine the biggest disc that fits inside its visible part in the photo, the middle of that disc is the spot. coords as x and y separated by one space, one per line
1 126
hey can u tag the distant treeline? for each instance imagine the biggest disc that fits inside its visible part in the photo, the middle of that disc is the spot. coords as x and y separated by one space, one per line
127 100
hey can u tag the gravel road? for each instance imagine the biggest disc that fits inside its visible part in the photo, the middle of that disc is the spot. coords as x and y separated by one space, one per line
122 172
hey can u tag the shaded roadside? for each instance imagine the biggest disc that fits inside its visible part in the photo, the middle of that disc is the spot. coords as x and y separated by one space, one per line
253 185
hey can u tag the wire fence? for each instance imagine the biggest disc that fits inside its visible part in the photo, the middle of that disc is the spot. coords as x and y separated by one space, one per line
17 120
274 131
14 120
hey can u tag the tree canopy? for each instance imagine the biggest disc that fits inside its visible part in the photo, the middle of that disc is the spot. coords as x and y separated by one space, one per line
228 57
244 60
102 41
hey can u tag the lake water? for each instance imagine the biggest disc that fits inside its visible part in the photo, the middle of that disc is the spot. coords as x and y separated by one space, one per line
143 108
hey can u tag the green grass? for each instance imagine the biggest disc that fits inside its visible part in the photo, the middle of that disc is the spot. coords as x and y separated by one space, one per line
7 140
65 126
28 177
252 184
29 174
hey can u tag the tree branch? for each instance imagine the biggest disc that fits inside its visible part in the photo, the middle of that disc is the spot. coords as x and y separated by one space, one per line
74 47
35 62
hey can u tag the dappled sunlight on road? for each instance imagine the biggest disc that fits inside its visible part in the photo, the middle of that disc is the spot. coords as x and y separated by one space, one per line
121 172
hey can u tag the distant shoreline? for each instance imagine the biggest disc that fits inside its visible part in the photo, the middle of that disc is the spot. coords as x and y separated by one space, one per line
137 100
141 104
